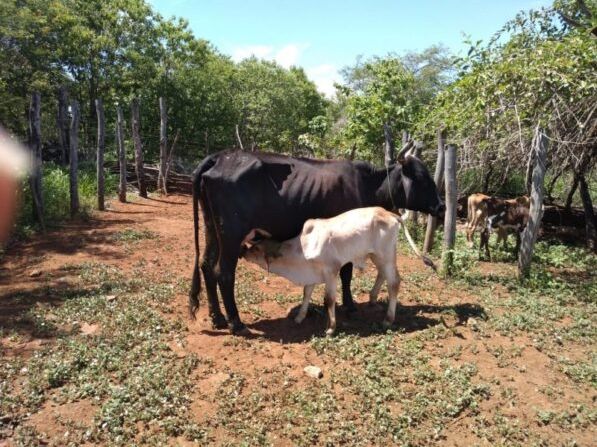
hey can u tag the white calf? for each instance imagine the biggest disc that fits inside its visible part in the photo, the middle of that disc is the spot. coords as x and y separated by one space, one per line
316 255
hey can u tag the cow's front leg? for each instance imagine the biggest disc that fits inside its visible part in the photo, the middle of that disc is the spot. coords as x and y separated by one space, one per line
307 291
346 278
330 303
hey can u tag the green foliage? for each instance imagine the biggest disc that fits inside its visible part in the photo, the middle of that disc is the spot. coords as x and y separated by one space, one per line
56 195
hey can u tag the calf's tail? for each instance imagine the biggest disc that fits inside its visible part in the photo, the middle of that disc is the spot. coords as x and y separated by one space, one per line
426 260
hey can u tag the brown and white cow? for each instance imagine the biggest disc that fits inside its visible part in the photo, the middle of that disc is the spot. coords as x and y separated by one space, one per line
508 216
480 207
316 255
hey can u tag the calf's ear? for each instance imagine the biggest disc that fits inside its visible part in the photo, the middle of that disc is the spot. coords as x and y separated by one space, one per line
255 235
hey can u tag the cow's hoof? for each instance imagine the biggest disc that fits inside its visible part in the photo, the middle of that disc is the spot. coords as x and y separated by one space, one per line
299 319
219 322
329 332
240 329
375 305
348 309
386 325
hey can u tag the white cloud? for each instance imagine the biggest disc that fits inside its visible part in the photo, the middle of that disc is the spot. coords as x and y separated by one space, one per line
286 56
324 77
290 54
259 51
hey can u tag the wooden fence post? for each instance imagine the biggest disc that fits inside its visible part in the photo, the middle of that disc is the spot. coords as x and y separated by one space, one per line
136 127
389 148
585 196
121 154
171 153
74 160
451 202
63 124
101 147
529 235
438 177
35 147
162 181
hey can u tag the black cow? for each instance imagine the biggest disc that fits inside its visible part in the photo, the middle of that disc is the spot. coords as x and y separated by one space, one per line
241 190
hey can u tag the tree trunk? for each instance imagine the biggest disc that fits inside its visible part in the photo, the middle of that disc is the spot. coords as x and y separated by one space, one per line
36 157
389 149
63 125
162 186
438 177
101 147
571 191
529 174
136 127
451 203
121 155
529 235
74 160
587 203
238 139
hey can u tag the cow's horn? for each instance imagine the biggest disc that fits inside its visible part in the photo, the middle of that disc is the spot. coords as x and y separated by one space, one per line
403 152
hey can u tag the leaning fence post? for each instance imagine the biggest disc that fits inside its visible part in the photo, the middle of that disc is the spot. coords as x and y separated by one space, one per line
121 154
529 234
101 146
162 180
35 147
74 160
438 177
450 219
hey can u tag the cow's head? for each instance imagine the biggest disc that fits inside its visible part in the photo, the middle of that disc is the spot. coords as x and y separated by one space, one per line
259 248
418 187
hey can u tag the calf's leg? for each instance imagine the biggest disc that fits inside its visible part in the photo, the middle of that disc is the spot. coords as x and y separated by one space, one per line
393 279
307 291
330 302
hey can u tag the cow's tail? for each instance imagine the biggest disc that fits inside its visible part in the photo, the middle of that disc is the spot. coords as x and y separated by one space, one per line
426 260
196 281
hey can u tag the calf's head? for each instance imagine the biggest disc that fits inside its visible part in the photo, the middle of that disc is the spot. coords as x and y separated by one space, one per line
258 248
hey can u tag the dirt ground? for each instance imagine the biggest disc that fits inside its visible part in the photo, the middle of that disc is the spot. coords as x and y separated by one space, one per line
441 325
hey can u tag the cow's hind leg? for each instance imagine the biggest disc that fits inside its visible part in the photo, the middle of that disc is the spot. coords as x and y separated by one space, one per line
226 275
346 278
208 263
307 291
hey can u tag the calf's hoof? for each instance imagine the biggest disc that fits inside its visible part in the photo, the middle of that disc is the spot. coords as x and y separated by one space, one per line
299 319
329 332
218 321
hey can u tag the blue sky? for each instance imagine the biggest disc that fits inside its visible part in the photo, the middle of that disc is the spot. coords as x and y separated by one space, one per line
323 36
